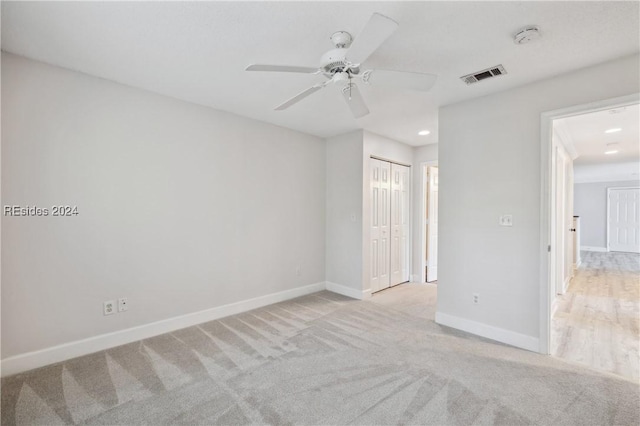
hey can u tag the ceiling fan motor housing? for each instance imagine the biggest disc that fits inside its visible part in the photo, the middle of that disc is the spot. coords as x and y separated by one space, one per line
334 61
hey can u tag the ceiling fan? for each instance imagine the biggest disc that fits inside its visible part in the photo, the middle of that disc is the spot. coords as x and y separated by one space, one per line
342 66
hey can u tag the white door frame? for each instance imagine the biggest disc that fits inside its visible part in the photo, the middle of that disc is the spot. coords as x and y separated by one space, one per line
609 207
422 251
547 271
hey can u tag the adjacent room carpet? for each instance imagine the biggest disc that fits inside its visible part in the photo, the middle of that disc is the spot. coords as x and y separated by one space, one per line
321 359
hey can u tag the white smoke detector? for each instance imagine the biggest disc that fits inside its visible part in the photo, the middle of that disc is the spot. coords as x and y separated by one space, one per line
527 34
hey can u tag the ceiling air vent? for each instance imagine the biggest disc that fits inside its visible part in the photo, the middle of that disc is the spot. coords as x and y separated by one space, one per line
484 74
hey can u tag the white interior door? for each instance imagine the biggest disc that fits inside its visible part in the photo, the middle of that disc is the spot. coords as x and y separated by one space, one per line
399 224
380 210
624 220
432 224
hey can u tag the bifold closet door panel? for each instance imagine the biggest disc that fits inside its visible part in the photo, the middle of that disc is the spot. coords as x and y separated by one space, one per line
380 209
399 216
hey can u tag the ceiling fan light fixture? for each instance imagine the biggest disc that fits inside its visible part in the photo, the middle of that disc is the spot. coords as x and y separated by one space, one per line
341 78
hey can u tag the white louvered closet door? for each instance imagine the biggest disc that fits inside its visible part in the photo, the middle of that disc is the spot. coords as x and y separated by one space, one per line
390 186
380 197
399 224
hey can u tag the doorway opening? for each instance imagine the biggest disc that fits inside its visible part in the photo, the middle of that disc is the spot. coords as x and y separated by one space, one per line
429 222
590 225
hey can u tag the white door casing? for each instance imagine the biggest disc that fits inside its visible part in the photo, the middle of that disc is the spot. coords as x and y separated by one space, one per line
623 219
406 223
432 225
560 236
399 224
380 209
563 220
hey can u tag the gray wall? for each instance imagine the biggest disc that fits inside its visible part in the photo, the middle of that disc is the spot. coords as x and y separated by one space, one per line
182 208
590 203
490 164
344 210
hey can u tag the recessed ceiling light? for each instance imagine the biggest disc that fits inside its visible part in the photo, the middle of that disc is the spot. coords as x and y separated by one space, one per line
423 132
613 151
615 129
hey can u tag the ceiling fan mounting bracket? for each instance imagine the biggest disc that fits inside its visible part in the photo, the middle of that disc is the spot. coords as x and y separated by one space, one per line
341 39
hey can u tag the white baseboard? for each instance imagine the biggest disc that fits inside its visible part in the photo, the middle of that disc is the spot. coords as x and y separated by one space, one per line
27 361
348 291
512 338
592 248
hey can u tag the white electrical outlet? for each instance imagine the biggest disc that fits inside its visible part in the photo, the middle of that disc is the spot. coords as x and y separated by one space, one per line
476 298
506 220
123 304
109 307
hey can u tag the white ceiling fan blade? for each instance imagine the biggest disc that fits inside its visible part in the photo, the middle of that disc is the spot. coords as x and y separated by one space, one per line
281 68
354 100
401 79
300 96
377 30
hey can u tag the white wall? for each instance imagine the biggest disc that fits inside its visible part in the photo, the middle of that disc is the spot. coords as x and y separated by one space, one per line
181 207
590 203
489 158
344 204
386 149
421 154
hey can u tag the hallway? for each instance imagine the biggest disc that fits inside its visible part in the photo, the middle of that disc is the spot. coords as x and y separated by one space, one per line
597 321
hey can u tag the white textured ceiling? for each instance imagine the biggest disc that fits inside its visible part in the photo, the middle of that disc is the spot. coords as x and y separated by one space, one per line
587 134
197 51
590 139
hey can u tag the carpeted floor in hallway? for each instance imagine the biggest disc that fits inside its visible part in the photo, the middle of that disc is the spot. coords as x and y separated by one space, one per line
321 359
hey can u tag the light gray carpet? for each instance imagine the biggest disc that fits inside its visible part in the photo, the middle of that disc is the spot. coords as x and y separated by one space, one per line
321 359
